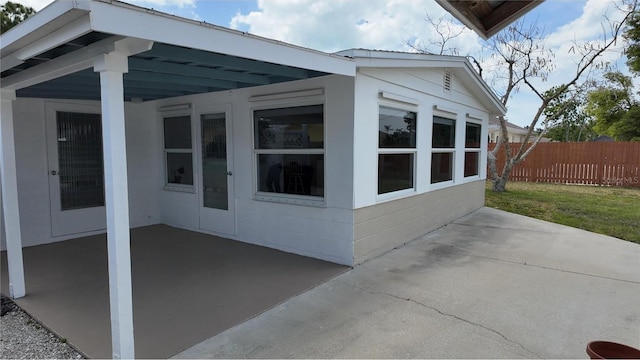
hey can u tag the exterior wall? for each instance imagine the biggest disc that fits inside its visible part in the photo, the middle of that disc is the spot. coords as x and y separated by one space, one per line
33 169
380 228
383 222
325 231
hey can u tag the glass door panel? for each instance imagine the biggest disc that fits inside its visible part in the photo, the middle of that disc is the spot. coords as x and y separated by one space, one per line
80 160
214 161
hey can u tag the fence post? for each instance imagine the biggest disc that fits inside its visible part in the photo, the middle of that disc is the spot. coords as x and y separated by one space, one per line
600 170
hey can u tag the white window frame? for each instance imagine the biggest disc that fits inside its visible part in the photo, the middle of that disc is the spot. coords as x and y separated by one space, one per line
402 106
188 188
293 100
470 120
444 113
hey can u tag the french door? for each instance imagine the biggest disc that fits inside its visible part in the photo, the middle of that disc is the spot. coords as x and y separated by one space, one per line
217 205
76 171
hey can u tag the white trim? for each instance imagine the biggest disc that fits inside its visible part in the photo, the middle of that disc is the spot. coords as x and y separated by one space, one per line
391 96
444 109
175 107
74 30
475 116
287 95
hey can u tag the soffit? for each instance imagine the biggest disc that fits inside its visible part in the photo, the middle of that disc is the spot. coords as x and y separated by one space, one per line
488 17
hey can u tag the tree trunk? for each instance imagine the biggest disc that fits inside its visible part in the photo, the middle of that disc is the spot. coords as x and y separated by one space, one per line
499 183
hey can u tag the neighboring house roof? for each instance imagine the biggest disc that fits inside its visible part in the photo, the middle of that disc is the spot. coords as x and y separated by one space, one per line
602 138
494 125
488 17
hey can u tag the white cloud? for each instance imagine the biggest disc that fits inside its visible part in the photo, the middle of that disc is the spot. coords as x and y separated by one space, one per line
333 25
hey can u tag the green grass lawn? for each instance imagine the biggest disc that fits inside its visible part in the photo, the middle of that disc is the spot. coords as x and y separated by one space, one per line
610 211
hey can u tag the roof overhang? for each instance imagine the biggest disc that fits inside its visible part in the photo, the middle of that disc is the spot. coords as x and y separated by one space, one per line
488 17
460 66
50 54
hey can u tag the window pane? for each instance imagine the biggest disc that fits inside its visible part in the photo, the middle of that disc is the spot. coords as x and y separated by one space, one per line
80 160
301 174
214 161
471 163
395 172
177 132
179 168
472 136
397 128
444 133
441 167
290 128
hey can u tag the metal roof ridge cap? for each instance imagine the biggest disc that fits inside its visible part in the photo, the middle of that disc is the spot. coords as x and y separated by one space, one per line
397 55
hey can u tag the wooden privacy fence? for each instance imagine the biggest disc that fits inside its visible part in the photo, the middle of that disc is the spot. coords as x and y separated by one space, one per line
587 163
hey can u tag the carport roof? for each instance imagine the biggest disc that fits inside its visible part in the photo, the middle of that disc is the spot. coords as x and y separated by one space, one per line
187 57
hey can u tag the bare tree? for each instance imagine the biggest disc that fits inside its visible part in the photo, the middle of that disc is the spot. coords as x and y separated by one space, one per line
445 31
519 58
523 57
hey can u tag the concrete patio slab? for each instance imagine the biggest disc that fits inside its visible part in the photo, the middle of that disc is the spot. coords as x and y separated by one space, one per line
187 287
490 285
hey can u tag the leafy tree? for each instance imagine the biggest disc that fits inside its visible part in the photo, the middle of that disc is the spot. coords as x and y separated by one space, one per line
632 35
572 122
616 111
13 14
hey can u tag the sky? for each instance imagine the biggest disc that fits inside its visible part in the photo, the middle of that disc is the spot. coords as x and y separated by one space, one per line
334 25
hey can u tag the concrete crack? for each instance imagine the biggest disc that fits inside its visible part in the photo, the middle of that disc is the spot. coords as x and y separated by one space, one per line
529 352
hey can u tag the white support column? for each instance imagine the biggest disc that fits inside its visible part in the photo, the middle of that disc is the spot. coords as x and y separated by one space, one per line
111 67
10 210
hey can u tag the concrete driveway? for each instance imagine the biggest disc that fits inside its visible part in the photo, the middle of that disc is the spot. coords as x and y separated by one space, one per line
490 285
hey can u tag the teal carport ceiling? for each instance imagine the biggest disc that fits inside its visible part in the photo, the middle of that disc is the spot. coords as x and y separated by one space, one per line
162 72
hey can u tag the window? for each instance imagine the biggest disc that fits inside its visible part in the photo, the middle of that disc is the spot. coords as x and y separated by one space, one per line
289 148
396 149
472 149
443 149
177 149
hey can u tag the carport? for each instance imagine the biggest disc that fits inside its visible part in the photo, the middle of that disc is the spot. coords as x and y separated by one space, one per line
75 50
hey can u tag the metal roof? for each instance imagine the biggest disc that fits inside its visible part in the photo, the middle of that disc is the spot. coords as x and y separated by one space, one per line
186 57
164 71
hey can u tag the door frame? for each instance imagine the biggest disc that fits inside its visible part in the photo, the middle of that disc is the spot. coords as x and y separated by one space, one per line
209 219
76 221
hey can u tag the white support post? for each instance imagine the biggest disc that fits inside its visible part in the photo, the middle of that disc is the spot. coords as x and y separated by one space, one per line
111 67
10 210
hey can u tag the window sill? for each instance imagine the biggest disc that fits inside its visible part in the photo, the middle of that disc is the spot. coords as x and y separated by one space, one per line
442 185
396 195
291 200
190 189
